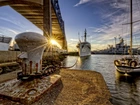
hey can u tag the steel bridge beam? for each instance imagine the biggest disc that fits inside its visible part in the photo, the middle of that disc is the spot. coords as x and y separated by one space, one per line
47 18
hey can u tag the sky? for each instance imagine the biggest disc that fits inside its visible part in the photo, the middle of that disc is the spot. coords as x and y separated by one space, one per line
103 19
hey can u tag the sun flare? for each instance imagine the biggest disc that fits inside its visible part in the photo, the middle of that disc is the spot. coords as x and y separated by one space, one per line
54 42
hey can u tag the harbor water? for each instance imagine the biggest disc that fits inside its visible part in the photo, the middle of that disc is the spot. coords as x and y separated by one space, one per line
124 89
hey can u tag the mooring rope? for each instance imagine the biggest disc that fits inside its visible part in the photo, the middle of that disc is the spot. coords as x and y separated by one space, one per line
70 66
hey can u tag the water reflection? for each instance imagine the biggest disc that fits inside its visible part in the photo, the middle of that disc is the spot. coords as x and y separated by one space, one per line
83 62
125 90
128 89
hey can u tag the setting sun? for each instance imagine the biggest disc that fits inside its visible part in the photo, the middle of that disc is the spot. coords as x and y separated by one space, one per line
54 42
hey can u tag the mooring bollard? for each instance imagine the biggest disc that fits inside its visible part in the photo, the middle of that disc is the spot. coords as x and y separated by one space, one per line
32 46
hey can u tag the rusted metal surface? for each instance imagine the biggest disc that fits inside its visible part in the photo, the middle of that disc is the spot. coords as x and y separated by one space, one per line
27 92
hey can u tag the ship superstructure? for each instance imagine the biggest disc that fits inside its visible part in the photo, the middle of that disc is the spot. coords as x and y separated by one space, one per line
84 48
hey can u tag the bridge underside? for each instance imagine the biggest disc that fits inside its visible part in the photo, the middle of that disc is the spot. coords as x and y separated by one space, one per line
42 14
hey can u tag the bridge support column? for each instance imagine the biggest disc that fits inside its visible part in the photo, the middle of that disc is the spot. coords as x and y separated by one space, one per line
63 41
47 21
65 47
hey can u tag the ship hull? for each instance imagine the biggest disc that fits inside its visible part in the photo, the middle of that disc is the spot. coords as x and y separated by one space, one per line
128 70
84 49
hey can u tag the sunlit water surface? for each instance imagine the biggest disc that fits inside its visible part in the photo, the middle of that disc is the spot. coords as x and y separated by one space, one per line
125 90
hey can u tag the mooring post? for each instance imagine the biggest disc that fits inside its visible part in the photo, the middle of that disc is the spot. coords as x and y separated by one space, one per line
32 46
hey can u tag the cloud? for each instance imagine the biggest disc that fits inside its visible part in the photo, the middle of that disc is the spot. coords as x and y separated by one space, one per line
74 40
100 46
113 14
8 32
7 20
112 23
72 44
82 2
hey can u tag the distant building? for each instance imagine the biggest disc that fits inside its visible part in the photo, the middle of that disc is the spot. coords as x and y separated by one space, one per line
4 43
120 48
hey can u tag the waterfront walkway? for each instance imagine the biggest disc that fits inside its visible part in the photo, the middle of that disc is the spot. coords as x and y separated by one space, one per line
77 87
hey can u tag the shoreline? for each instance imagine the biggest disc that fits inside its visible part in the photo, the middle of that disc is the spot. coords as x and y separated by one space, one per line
77 87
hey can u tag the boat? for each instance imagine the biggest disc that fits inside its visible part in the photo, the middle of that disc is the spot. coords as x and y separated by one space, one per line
84 48
129 64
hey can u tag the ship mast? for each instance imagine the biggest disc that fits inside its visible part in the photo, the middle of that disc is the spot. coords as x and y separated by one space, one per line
85 35
131 27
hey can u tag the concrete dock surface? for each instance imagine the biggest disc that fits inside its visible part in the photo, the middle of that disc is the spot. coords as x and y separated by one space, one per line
77 87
